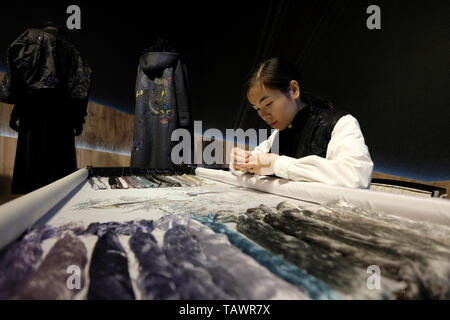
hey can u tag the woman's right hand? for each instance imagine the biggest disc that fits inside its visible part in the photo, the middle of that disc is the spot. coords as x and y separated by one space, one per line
240 158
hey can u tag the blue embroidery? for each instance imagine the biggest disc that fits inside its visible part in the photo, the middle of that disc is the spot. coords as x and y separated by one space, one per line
51 81
137 145
314 287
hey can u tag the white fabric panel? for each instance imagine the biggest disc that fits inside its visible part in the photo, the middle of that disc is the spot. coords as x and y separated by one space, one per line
17 215
121 205
420 209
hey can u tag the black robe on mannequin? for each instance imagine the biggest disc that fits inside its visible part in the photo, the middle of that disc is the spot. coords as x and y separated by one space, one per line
48 82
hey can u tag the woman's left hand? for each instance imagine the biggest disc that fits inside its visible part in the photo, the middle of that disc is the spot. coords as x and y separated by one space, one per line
262 163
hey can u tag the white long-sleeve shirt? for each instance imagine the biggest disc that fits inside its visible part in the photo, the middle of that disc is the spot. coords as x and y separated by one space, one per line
347 162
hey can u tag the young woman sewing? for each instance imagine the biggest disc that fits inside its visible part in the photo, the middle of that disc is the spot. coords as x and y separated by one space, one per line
316 141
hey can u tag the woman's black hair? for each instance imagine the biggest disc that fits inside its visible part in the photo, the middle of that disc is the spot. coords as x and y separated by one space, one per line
277 74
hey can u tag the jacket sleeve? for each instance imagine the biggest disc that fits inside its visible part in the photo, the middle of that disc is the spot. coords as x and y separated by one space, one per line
263 147
79 86
182 92
347 163
9 88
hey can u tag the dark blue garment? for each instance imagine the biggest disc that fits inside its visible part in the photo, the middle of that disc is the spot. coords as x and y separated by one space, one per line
314 287
108 273
162 106
155 272
180 246
165 274
50 281
100 229
19 260
250 279
193 281
122 228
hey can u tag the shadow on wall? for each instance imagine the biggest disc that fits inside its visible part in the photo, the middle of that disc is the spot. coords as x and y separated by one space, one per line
5 184
5 190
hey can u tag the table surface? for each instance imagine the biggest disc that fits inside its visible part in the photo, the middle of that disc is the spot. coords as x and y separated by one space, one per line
88 205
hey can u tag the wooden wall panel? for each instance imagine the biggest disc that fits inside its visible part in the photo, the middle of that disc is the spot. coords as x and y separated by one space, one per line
101 159
8 153
107 130
5 112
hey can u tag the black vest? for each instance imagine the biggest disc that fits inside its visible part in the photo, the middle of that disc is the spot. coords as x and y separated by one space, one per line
310 132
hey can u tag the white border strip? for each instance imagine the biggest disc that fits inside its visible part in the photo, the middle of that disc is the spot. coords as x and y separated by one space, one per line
432 210
19 214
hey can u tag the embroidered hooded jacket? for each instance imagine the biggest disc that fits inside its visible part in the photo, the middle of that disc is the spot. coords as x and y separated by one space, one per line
162 105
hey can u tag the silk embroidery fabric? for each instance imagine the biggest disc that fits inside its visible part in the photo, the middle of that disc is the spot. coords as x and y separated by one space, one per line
314 287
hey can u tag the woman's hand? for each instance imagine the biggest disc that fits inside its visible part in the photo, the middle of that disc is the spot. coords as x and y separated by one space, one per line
240 158
262 163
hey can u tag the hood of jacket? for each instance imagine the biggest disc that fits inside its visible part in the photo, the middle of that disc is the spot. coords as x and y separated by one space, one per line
154 63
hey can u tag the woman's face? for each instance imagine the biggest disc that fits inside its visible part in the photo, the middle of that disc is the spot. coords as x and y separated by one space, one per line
274 107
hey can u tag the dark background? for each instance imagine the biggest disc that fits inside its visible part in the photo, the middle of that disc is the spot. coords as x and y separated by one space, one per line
395 81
